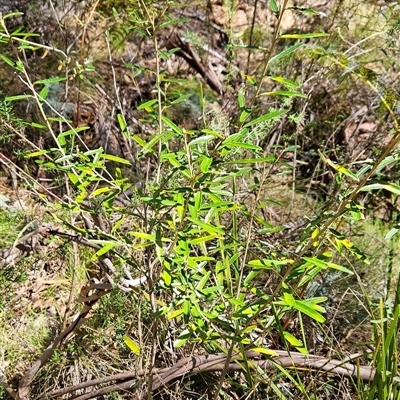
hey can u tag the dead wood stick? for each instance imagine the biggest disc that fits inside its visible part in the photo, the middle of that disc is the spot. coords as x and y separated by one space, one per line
187 52
216 362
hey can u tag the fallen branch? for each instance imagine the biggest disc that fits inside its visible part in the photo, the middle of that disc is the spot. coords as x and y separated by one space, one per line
187 52
216 363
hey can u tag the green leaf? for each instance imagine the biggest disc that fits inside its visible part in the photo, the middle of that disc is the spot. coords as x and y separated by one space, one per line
250 277
341 240
172 158
166 274
289 299
181 98
13 14
325 265
292 340
390 187
274 8
105 249
392 232
338 167
201 140
49 80
203 281
267 264
56 119
285 81
205 164
266 117
207 227
147 105
148 148
117 159
212 290
242 145
143 235
285 53
236 137
243 115
100 191
201 239
186 308
304 35
241 98
182 339
36 125
175 313
174 127
283 93
139 141
270 158
18 97
309 309
72 132
214 134
44 92
7 60
36 153
122 122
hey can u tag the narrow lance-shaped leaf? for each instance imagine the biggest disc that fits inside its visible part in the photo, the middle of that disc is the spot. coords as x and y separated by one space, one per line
266 117
390 187
304 35
286 93
285 53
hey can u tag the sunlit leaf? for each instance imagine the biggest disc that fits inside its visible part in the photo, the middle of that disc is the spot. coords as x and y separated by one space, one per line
242 145
148 105
286 52
201 140
133 346
266 117
50 80
143 235
263 350
267 264
117 159
390 187
304 35
205 164
309 310
182 339
285 81
212 229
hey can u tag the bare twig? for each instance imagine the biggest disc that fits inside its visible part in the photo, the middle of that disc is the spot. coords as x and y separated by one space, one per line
193 59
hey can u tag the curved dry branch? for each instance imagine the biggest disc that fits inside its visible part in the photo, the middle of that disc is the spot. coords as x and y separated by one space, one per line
214 363
89 295
187 52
